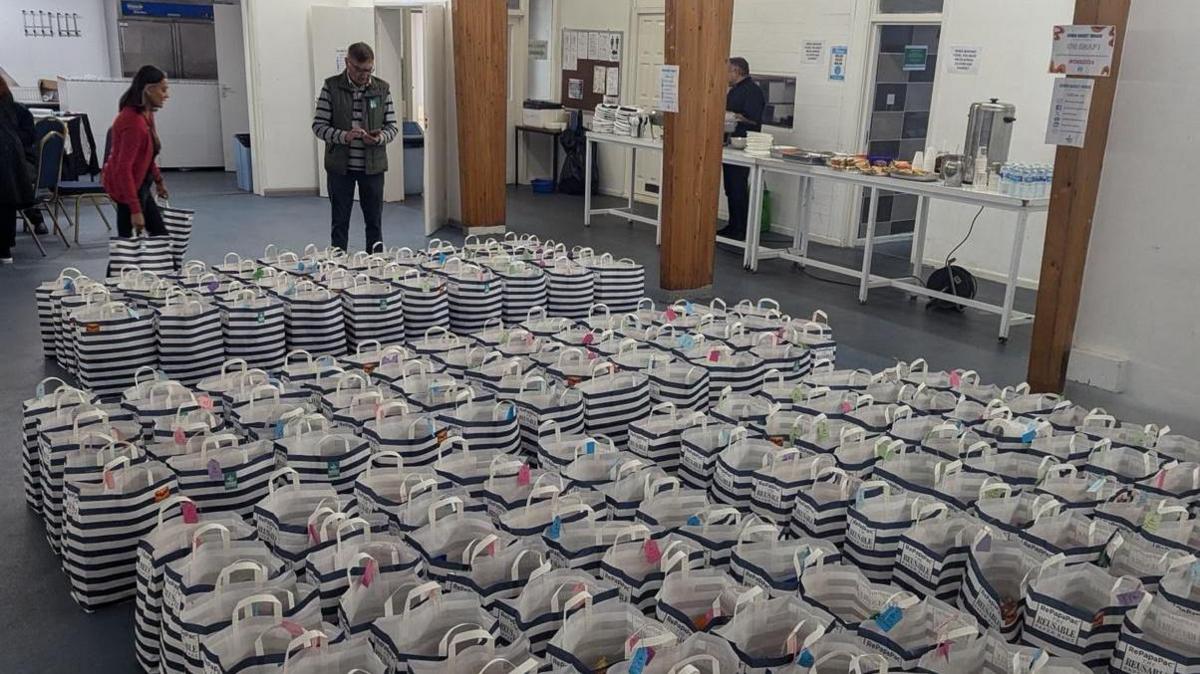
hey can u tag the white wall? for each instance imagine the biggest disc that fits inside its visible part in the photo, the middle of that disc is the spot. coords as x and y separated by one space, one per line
1013 69
539 79
1141 299
28 59
768 34
279 69
611 15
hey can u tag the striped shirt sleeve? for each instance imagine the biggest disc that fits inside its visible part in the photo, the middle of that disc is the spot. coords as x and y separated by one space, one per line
390 130
322 125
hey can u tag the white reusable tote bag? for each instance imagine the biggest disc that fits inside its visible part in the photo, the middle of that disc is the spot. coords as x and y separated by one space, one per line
148 253
178 222
112 342
374 311
190 342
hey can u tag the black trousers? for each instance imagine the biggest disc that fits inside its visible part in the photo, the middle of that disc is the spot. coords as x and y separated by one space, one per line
150 213
341 201
8 227
737 192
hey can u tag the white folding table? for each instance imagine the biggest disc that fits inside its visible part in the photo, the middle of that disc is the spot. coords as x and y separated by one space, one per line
875 184
729 156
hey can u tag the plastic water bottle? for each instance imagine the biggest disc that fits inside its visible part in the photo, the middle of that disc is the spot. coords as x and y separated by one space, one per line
1030 182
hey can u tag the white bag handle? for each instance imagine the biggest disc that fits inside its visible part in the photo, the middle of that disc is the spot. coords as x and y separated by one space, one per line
282 472
253 600
455 503
257 570
203 529
448 647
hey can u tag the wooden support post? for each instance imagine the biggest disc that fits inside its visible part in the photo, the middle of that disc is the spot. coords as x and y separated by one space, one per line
1069 223
480 76
697 40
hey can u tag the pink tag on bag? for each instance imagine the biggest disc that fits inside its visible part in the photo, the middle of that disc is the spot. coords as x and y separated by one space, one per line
190 515
651 551
180 436
206 402
523 475
369 572
955 378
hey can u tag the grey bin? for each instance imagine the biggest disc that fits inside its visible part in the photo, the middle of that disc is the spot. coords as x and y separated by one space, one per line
245 169
414 158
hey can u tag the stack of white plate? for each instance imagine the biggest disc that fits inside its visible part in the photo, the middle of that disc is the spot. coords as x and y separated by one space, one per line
604 121
759 144
627 122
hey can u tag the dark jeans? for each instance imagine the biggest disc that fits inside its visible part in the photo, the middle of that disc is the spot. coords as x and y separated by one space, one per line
8 228
370 200
737 192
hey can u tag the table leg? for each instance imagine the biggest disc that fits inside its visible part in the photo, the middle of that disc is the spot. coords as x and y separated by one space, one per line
587 182
1014 268
800 237
917 257
865 282
754 226
516 157
632 176
554 165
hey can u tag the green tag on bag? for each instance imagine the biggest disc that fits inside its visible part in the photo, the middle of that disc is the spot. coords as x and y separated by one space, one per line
231 480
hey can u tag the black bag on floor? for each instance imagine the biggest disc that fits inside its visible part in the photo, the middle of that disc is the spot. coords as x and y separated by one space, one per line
572 177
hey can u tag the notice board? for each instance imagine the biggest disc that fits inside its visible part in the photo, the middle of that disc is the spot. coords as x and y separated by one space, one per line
591 68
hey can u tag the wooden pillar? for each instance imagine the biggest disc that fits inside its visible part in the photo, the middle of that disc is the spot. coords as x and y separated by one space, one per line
697 40
480 78
1069 223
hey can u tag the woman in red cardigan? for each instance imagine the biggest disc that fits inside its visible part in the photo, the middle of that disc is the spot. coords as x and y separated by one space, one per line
130 170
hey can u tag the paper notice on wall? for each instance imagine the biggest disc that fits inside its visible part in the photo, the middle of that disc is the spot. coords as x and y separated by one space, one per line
575 89
614 47
964 59
598 75
812 52
1070 107
668 88
612 82
1083 50
340 59
837 63
539 50
598 46
570 59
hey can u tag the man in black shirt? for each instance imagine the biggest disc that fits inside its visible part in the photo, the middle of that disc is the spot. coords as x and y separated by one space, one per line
745 100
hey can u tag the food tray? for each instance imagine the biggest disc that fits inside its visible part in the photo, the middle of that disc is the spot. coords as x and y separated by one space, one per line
927 178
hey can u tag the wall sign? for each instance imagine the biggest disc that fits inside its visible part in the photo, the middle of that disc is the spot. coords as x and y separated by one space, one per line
837 63
668 89
1070 107
539 50
916 58
1083 50
964 59
812 51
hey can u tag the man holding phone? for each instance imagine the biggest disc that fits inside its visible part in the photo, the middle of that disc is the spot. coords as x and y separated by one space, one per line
356 119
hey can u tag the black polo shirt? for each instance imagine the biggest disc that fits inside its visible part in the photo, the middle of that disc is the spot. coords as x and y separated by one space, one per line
746 99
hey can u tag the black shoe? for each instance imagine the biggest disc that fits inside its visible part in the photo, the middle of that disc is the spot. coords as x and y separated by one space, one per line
735 234
6 256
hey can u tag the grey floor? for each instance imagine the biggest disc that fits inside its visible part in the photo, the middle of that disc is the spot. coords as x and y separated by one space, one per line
49 633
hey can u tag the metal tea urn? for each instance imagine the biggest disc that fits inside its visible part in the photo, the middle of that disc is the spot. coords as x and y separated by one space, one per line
990 125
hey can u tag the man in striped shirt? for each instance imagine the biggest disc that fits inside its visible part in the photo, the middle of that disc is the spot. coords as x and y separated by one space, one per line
356 120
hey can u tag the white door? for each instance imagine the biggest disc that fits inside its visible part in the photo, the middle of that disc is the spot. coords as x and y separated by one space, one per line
518 52
651 38
389 66
231 78
437 67
332 30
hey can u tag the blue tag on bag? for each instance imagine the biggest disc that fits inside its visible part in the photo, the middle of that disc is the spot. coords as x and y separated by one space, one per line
805 658
889 617
1029 435
555 528
590 447
693 521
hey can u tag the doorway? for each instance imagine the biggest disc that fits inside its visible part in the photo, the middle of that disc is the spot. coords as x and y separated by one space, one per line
897 120
651 41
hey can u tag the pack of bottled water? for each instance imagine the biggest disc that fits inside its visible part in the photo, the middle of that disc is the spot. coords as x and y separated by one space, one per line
1026 181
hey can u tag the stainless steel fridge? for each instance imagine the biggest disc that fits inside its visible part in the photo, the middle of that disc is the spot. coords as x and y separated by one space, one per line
176 37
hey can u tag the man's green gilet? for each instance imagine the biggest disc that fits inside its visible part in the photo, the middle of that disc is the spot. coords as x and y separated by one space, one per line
341 99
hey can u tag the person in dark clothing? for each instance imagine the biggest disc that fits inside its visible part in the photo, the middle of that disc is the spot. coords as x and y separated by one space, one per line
18 154
356 119
131 177
746 101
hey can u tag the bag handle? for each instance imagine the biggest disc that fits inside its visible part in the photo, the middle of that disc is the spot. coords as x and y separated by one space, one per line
453 502
176 500
282 472
239 609
754 530
257 571
634 531
348 524
449 645
429 590
204 529
478 547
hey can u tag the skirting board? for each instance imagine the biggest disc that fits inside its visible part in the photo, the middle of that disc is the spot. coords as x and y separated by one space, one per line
291 192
